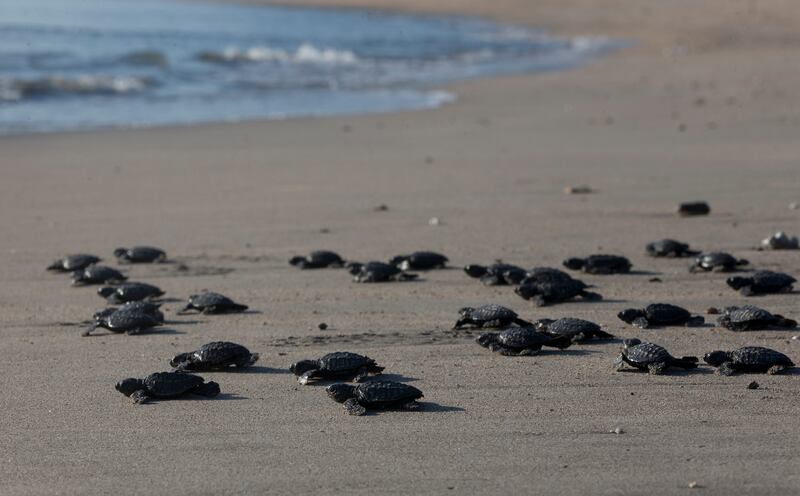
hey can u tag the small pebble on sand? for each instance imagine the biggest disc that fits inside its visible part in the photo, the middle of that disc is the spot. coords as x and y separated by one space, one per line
617 430
753 385
712 311
381 208
322 326
578 190
434 221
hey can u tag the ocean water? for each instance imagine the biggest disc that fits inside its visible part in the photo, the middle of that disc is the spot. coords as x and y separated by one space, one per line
86 64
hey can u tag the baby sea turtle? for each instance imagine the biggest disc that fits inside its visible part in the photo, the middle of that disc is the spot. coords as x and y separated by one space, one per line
71 263
381 395
209 302
488 316
716 261
499 274
781 241
378 272
660 314
750 318
128 292
652 357
762 282
140 254
577 330
219 355
337 365
420 260
600 264
154 309
165 385
557 291
97 274
669 248
748 360
519 341
545 274
128 319
319 259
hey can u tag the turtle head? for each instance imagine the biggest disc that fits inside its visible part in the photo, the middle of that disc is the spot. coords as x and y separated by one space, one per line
296 260
181 360
474 270
739 282
129 386
527 291
465 311
543 324
574 263
106 291
630 315
120 252
303 366
716 358
341 392
627 343
742 261
354 267
487 339
396 261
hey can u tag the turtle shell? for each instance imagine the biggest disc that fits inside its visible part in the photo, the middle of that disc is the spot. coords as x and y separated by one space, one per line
75 262
519 338
97 274
169 384
748 313
128 320
420 260
666 247
756 355
545 274
570 327
324 258
558 290
709 261
210 298
769 282
220 353
666 314
607 263
486 313
377 394
135 291
142 254
343 361
646 353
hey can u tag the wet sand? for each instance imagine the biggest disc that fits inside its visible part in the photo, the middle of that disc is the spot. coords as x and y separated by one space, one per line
705 106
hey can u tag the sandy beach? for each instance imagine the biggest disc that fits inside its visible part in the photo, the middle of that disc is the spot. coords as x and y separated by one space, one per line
704 106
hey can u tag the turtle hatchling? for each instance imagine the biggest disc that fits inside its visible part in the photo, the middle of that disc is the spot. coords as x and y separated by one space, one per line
499 274
520 341
577 330
97 274
600 264
375 395
166 385
337 365
488 316
762 282
128 292
319 259
209 302
219 355
750 318
71 263
748 360
557 291
420 260
140 254
717 261
651 357
660 314
378 272
669 248
545 274
128 319
781 241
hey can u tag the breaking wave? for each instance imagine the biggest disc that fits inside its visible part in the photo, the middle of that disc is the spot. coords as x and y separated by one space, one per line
305 53
21 89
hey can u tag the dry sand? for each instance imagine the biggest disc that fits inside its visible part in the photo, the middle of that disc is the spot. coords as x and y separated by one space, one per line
492 167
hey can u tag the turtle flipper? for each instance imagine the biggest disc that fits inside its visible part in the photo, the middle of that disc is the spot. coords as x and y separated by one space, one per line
726 368
140 396
685 362
253 358
695 321
590 296
747 291
784 322
89 330
776 369
307 376
619 362
465 321
353 407
210 389
641 323
522 322
656 368
528 352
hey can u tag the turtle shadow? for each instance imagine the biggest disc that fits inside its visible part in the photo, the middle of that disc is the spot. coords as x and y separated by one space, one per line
150 332
184 322
169 300
568 351
392 377
672 371
792 371
219 397
258 369
431 407
645 273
